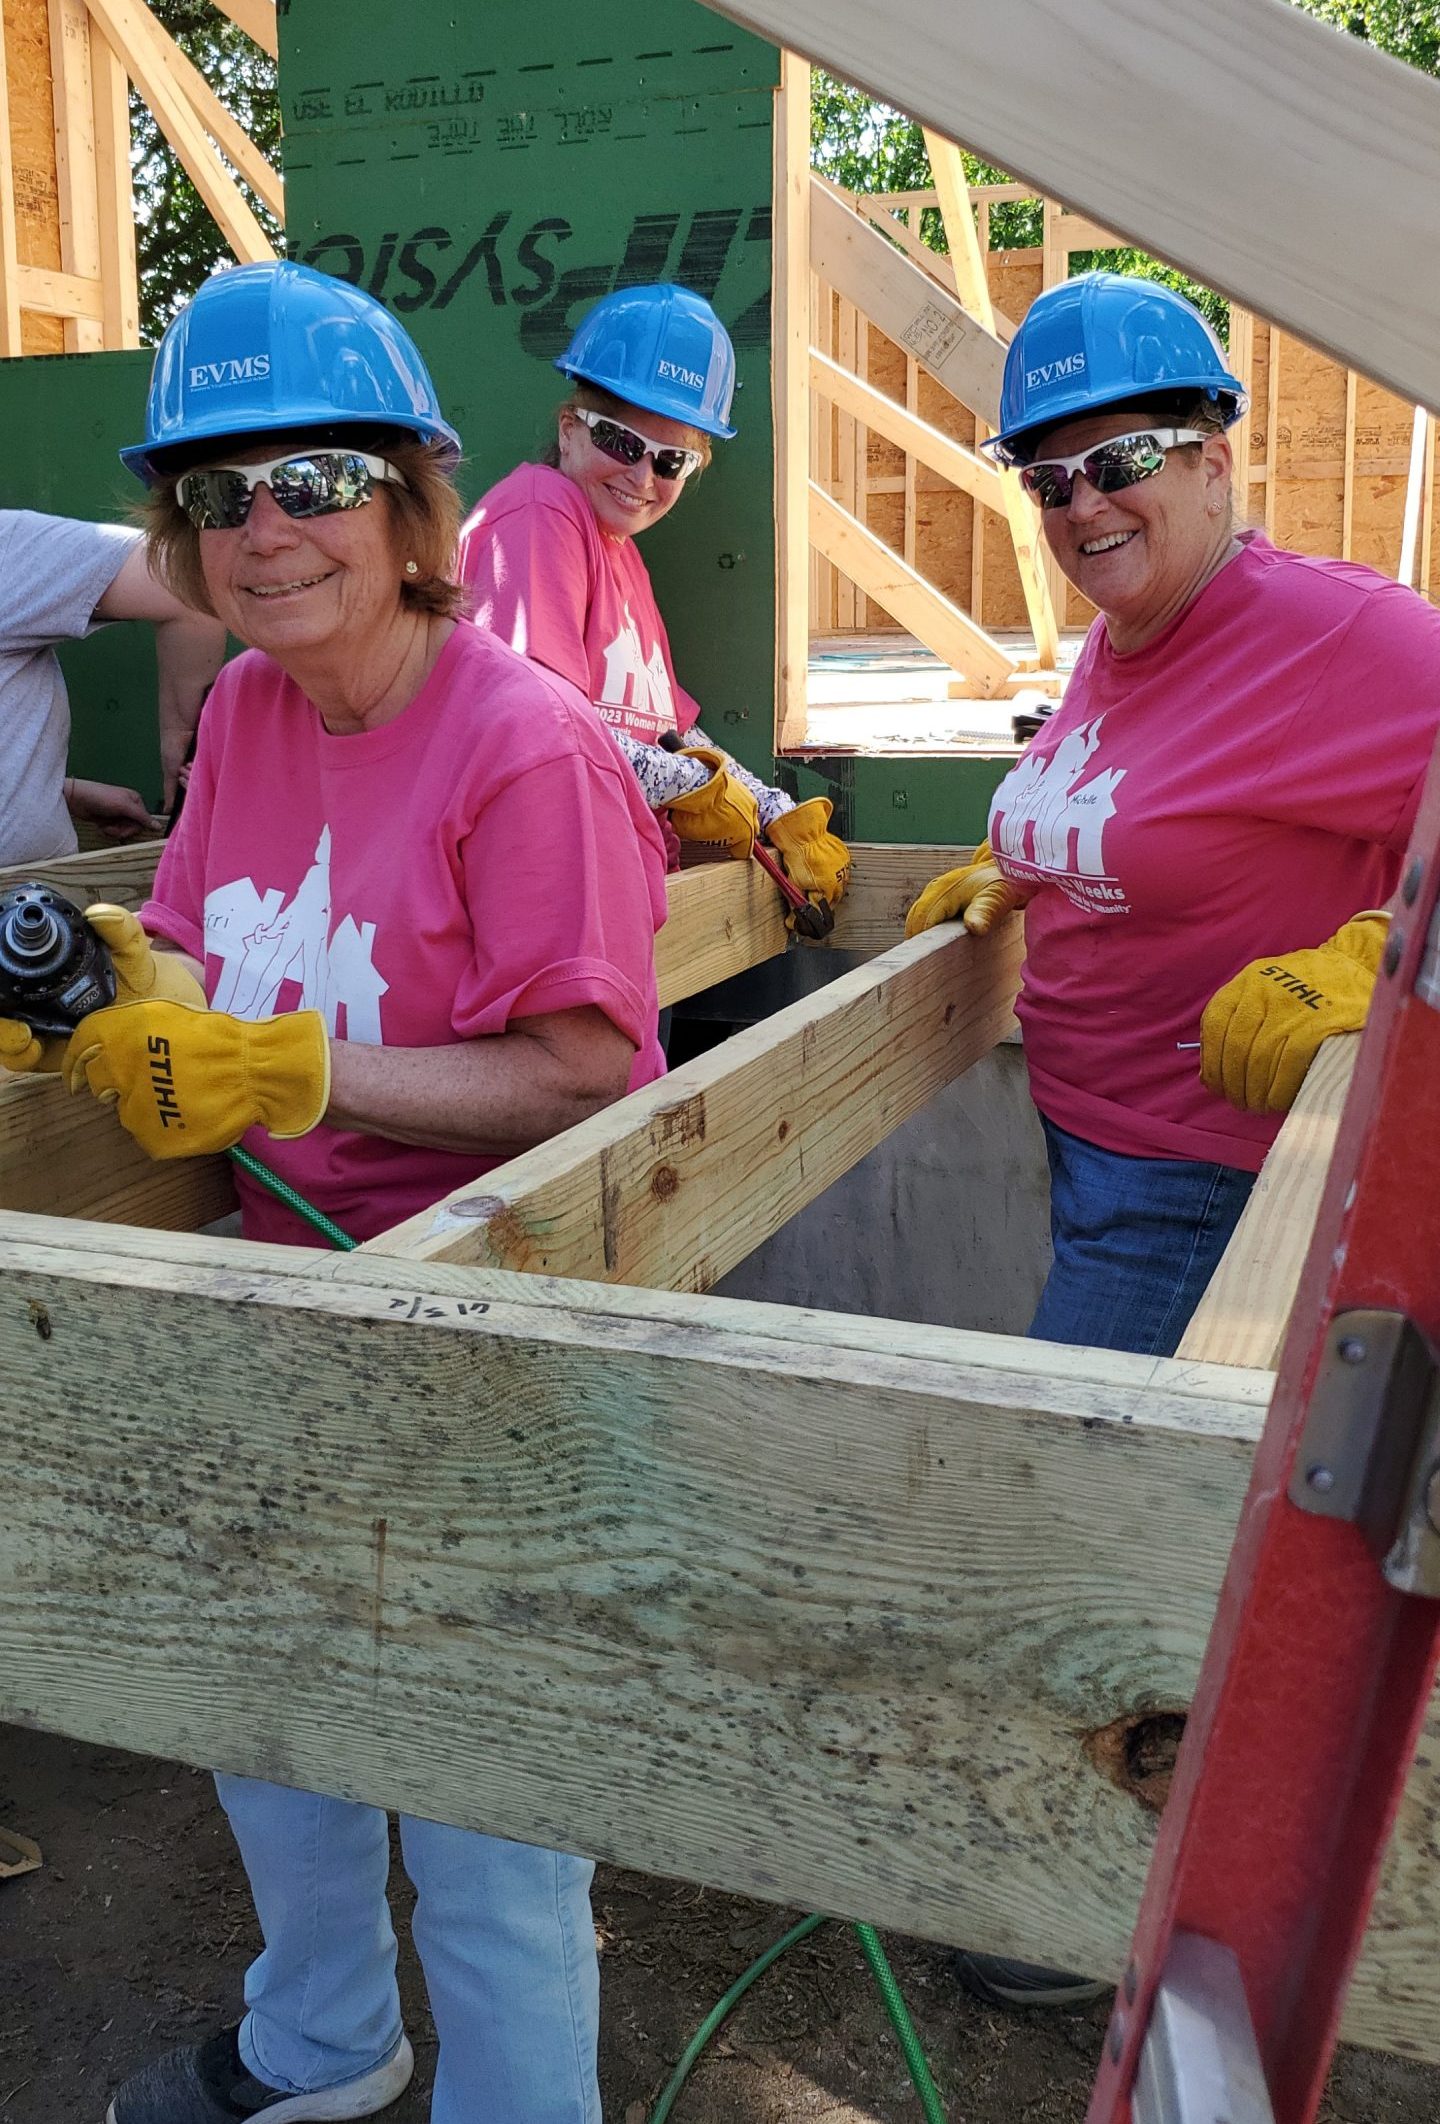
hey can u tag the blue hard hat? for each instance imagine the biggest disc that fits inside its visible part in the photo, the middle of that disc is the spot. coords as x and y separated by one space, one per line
1098 340
661 348
280 346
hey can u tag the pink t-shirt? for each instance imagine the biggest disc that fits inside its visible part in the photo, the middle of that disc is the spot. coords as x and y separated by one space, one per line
545 578
1238 787
483 858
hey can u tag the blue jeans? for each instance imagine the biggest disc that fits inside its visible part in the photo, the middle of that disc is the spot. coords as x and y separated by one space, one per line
503 1930
1136 1242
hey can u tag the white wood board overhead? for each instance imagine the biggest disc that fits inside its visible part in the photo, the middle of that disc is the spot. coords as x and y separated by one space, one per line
1273 157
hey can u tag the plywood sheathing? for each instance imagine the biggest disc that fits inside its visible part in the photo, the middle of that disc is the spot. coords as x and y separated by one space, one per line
32 149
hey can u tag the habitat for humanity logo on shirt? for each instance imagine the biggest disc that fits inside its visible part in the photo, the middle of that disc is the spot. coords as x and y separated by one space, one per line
265 940
1047 820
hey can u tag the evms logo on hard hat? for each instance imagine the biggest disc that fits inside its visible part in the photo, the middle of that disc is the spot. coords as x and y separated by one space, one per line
1051 372
674 372
207 375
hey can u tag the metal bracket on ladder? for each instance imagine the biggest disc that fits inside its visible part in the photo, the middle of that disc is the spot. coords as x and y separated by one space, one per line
1370 1450
1201 2063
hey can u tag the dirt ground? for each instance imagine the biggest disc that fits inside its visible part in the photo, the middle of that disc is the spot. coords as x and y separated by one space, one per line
136 1934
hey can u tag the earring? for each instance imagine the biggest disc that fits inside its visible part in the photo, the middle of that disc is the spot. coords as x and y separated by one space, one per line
412 567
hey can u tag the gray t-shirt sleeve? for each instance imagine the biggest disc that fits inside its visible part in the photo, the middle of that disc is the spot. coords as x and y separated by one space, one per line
53 573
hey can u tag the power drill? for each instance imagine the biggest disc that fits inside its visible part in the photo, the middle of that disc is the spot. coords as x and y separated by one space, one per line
54 970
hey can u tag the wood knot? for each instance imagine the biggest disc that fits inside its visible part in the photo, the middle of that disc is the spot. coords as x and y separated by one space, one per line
782 1131
40 1320
1138 1753
665 1183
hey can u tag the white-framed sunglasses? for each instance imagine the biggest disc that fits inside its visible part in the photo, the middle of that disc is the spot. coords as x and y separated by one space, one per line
305 483
1110 466
627 446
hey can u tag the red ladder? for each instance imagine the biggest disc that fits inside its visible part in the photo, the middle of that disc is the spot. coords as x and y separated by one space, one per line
1319 1668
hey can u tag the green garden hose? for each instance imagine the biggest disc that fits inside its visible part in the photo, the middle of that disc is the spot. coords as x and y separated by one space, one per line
868 1937
884 1976
294 1200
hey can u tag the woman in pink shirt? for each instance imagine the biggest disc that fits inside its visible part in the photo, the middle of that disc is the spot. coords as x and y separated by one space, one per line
418 889
1206 832
548 556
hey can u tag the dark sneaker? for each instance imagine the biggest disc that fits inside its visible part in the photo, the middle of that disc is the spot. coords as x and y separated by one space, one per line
1000 1982
207 2084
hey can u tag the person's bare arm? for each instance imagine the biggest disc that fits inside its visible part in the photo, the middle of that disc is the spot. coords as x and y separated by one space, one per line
500 1094
189 650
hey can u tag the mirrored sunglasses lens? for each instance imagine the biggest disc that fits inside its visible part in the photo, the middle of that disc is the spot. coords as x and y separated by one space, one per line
623 444
1050 484
1121 464
672 464
319 485
215 501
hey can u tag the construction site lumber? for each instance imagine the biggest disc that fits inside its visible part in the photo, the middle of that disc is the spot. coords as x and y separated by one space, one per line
945 628
1347 250
673 1186
910 307
841 1613
885 881
1243 1315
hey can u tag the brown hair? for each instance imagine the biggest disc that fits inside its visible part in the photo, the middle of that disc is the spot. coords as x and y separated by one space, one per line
426 512
594 400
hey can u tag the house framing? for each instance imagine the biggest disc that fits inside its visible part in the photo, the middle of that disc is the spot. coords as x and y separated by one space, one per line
503 1519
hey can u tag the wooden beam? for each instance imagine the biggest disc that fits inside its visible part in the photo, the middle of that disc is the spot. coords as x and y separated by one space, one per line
75 173
119 277
815 1609
69 1157
123 875
724 918
945 628
676 1184
835 1612
64 295
1414 499
1243 1315
1347 252
973 287
10 341
935 449
908 306
228 135
257 19
149 57
790 396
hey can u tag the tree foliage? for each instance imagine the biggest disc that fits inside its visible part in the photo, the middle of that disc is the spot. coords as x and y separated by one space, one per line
177 243
868 147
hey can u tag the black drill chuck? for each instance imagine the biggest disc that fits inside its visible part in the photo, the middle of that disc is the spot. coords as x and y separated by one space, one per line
54 970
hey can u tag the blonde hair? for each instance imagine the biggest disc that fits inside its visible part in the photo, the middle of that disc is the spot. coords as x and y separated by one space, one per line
426 512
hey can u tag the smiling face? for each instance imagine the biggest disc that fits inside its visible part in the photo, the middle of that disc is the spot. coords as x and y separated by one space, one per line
302 586
626 498
1141 553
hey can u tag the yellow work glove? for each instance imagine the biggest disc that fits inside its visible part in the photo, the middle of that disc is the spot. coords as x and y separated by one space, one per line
978 892
187 1081
1261 1031
722 811
815 859
141 976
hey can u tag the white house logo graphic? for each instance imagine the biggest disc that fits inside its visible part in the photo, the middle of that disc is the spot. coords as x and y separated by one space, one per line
265 941
635 694
1048 820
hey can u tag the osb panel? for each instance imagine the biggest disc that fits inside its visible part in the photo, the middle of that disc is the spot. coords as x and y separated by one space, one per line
943 537
887 521
1309 467
1379 518
32 148
1259 414
32 132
